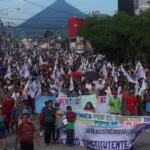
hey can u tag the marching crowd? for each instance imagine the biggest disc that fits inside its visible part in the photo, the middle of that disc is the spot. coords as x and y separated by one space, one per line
27 73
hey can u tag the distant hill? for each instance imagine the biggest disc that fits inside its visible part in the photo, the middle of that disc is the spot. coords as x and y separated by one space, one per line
54 17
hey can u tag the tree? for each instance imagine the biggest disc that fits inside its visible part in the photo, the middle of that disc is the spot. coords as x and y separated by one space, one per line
120 37
48 33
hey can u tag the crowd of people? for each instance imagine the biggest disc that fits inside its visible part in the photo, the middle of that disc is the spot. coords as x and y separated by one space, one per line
27 73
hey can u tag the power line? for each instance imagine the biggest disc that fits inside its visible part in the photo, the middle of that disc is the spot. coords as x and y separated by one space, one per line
22 19
51 8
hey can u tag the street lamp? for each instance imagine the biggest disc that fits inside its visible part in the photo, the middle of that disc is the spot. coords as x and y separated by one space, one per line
9 8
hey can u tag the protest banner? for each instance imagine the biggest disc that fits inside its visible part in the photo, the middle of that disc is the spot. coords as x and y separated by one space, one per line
109 136
69 101
40 102
105 138
87 98
102 104
108 117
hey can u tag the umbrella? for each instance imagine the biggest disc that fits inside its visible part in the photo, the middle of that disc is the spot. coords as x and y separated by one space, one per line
91 75
75 74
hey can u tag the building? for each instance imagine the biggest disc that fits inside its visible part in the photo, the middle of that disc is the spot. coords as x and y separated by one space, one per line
144 5
128 6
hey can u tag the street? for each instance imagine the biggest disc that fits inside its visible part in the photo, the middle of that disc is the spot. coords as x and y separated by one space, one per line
143 142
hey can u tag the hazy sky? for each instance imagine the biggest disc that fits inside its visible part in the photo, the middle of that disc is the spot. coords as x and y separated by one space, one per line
27 10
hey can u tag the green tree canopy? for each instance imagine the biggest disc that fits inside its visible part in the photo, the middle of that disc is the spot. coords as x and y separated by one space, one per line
120 37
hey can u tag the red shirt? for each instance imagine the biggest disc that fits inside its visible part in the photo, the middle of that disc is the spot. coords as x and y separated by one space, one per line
26 132
70 116
131 103
8 105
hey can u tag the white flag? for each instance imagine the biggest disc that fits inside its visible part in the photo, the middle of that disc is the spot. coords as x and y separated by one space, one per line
71 88
143 88
8 73
104 71
41 61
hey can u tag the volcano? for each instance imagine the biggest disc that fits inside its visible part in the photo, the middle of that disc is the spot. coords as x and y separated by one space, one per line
54 17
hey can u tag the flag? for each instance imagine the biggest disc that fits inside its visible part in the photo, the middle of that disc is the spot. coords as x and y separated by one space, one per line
8 73
29 62
71 88
138 66
24 72
104 71
143 88
109 65
62 71
129 78
141 74
41 61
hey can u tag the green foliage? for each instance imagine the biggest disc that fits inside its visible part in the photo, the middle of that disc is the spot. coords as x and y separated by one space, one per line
47 33
120 37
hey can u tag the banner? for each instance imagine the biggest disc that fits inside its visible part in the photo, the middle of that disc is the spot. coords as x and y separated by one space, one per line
102 104
40 102
78 103
110 120
69 101
105 138
107 132
87 98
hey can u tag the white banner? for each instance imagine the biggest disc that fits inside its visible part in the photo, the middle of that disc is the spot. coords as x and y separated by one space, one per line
100 103
105 138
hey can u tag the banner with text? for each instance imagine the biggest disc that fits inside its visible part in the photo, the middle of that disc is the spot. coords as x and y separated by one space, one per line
100 103
105 138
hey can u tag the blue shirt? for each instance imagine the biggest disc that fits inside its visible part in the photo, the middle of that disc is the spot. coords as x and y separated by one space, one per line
49 115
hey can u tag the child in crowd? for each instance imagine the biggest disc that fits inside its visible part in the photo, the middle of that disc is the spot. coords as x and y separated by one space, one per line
59 121
89 107
71 118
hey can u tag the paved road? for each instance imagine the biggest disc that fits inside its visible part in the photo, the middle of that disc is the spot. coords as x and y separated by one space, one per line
143 143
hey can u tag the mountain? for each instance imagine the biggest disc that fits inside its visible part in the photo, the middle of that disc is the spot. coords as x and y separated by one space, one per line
54 17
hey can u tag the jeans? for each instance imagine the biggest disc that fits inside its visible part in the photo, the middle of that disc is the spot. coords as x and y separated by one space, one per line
26 146
70 137
49 128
